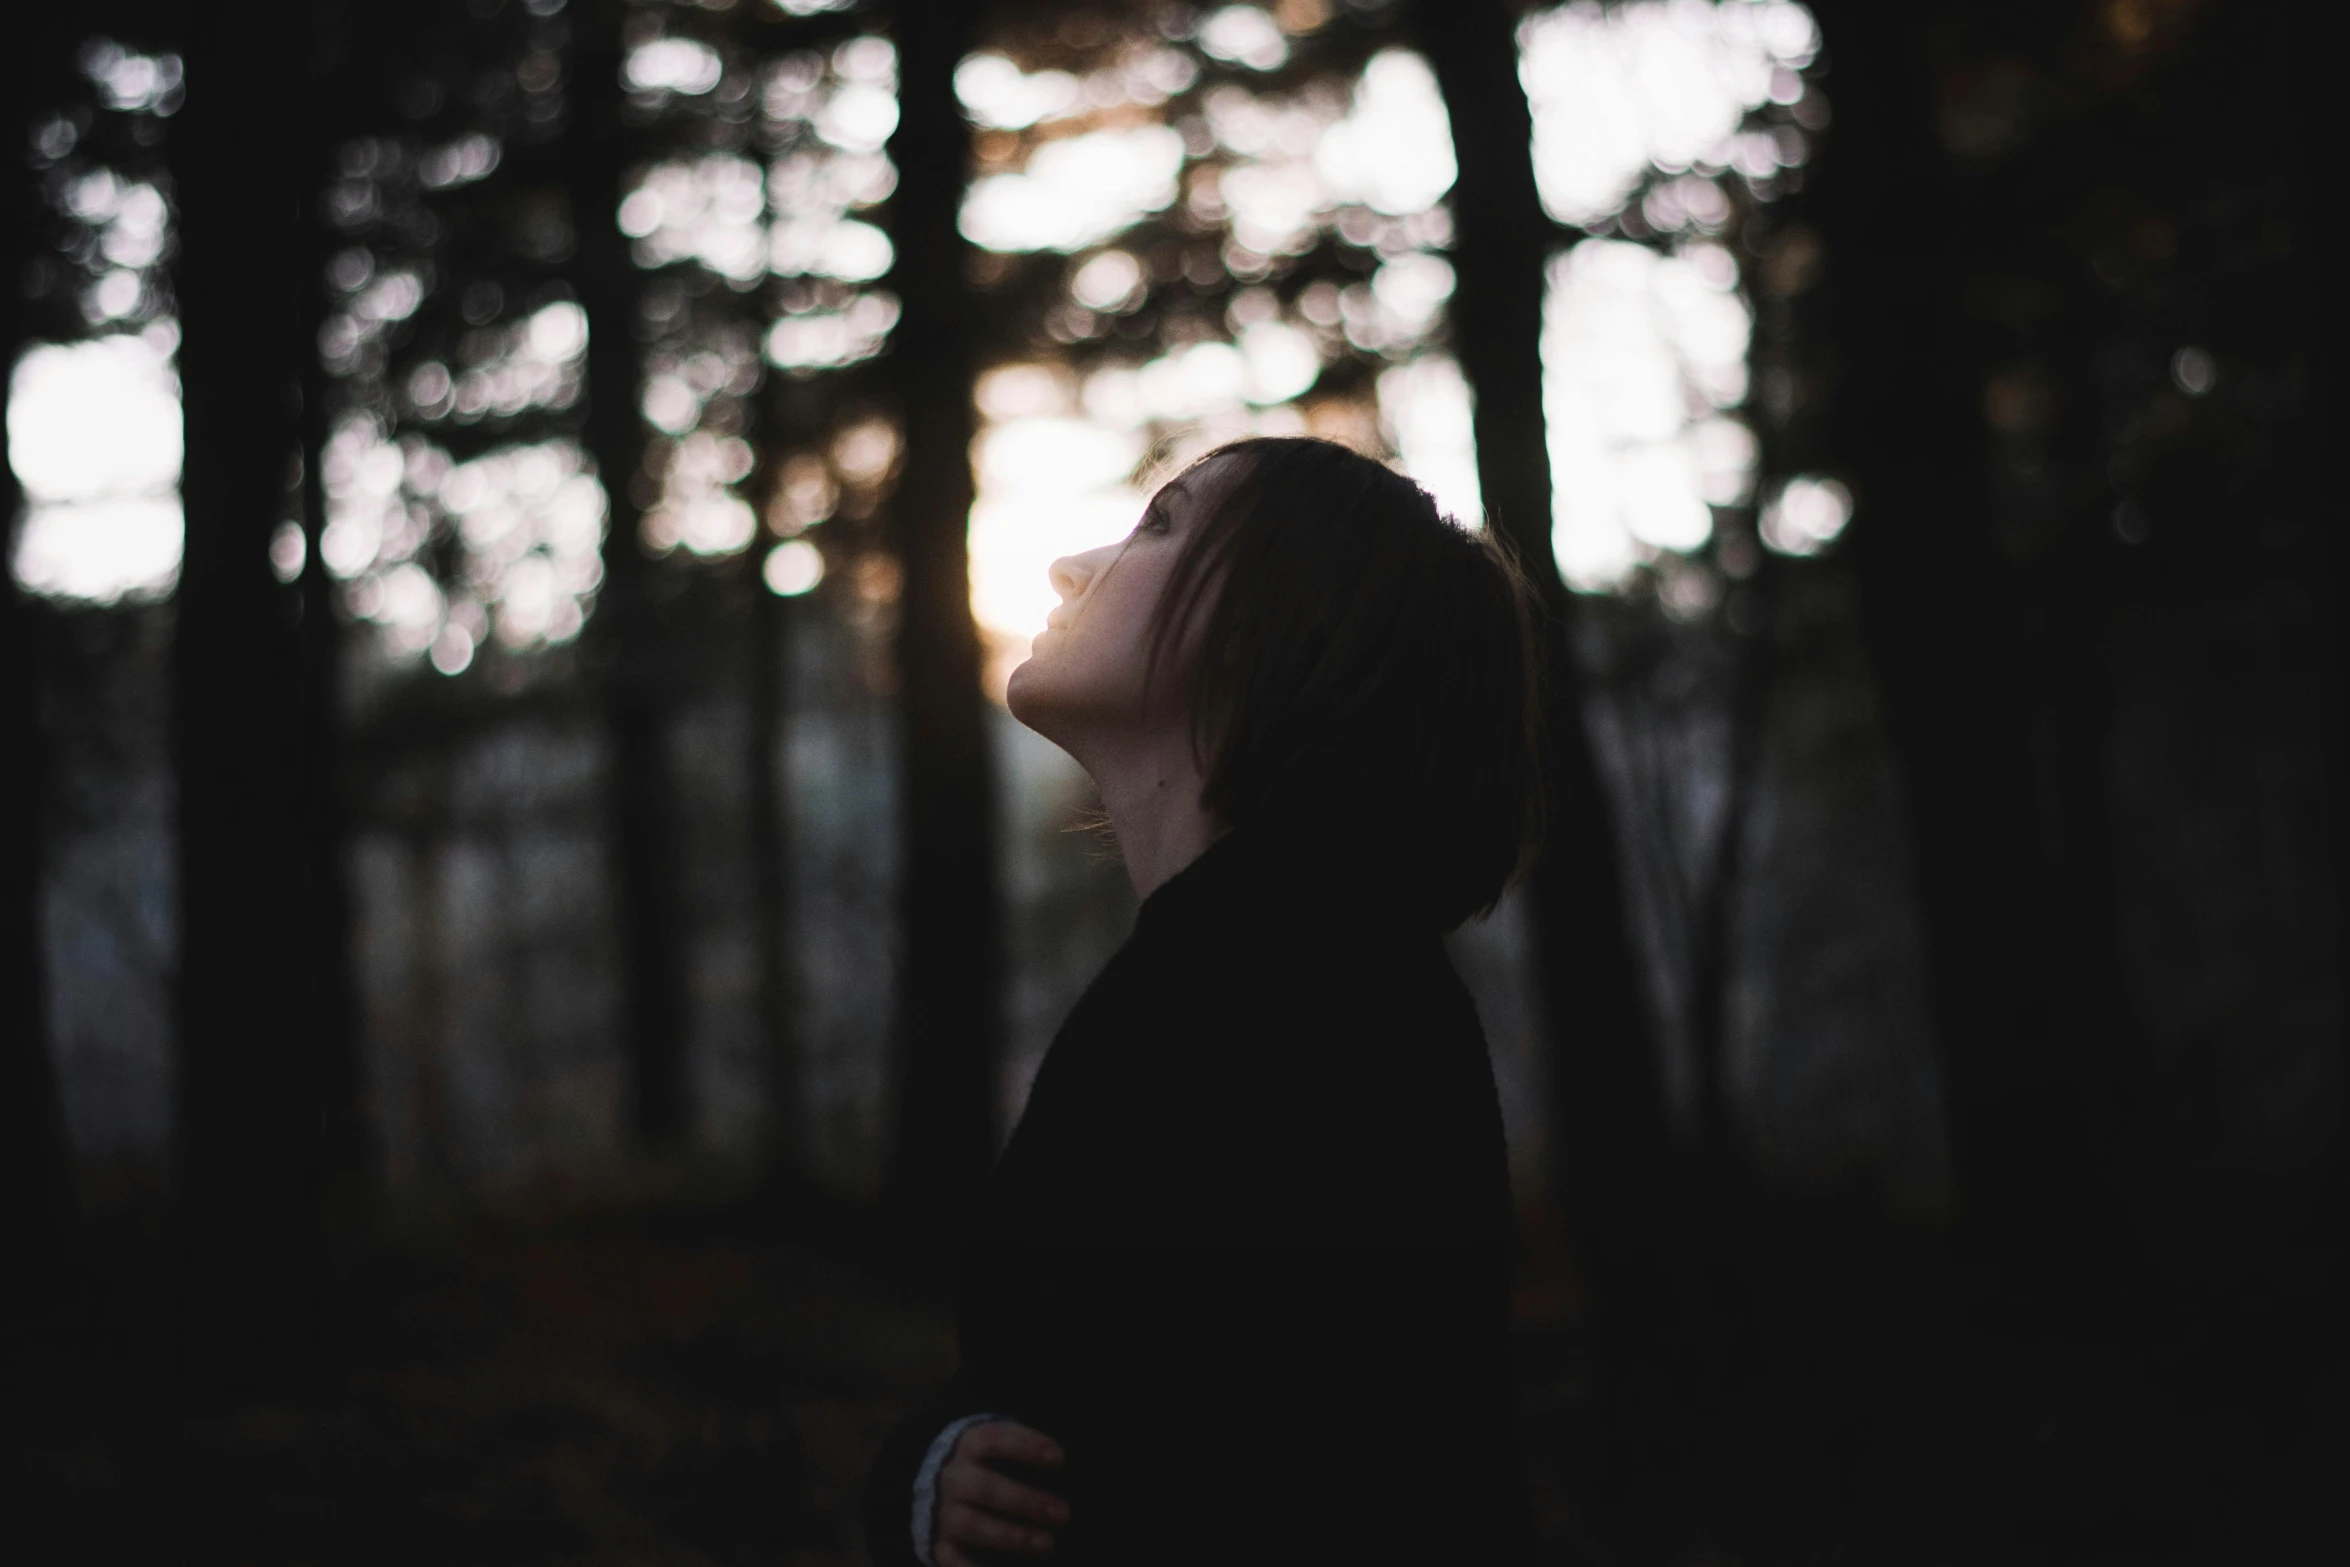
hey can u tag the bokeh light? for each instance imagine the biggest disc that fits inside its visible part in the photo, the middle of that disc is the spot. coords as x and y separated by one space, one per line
792 568
1426 404
1643 113
1806 516
830 114
1068 447
1662 84
1076 191
527 522
94 435
1052 482
1641 351
2193 370
1244 35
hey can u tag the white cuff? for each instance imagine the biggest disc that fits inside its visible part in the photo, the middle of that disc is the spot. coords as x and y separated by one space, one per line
926 1482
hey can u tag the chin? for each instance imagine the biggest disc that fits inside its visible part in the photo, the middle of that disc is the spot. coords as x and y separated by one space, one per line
1021 691
1038 694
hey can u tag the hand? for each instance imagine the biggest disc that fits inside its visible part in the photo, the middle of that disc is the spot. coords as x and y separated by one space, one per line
981 1507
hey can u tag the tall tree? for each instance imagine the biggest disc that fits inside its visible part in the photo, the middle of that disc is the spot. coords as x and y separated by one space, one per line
626 633
952 1006
1609 1118
338 104
249 1072
36 1191
1960 649
769 638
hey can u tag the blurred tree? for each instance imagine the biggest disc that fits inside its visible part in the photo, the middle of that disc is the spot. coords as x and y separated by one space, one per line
953 945
36 1185
338 101
1947 625
652 945
2062 351
767 800
250 1075
1612 1146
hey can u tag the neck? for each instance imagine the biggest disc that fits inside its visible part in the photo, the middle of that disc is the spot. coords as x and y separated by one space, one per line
1150 788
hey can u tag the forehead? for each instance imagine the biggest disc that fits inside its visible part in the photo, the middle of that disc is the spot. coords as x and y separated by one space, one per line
1196 485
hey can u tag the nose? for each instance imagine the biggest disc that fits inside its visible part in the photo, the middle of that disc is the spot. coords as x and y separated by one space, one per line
1070 576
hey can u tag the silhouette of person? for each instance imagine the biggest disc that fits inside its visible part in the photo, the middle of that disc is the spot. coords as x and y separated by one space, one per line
1238 1287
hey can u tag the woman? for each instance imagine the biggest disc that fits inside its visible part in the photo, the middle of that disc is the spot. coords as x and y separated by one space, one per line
1238 1290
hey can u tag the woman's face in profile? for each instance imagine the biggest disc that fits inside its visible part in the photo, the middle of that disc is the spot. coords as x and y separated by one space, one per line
1085 672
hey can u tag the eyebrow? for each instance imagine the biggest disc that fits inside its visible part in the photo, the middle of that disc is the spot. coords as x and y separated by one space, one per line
1174 490
1155 505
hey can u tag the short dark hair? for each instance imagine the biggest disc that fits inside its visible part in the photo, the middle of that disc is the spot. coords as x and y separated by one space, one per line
1365 663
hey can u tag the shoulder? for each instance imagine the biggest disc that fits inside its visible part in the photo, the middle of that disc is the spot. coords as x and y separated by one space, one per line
1335 1089
1267 1071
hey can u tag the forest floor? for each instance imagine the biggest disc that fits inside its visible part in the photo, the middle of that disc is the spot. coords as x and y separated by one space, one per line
667 1389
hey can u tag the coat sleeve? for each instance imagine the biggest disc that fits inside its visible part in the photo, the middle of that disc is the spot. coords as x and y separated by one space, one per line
1248 1377
1249 1404
889 1484
1259 1297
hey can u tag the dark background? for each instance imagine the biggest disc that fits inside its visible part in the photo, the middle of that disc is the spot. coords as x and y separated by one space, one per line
523 1113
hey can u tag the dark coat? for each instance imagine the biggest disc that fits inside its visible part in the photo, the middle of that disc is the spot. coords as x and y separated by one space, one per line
1245 1256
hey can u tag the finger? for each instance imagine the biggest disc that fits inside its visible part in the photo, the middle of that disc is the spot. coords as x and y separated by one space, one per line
948 1554
1010 1439
966 1525
983 1487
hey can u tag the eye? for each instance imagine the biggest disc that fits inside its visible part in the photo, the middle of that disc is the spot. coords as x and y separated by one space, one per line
1153 521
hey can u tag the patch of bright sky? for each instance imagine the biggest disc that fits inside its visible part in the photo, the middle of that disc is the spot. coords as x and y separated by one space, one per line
1663 84
679 386
94 436
835 112
1244 35
1644 353
831 113
827 339
698 507
998 95
685 66
1051 482
536 362
131 82
130 222
1076 191
528 520
1057 458
94 430
704 209
1427 407
1640 353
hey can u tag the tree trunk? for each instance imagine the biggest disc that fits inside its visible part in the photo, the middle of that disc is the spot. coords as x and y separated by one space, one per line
626 634
951 982
338 99
1953 635
1609 1119
36 1181
249 1070
770 691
